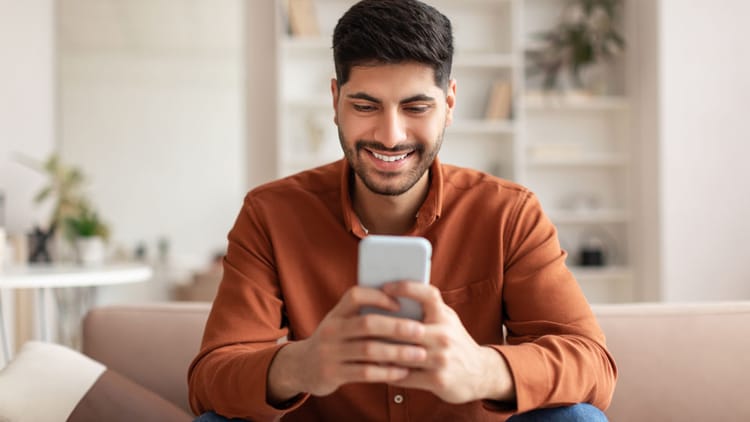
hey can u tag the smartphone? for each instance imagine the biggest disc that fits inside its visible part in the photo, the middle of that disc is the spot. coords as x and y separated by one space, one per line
383 259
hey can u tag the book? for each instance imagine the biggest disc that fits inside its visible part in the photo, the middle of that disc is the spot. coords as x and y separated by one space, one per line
498 104
302 20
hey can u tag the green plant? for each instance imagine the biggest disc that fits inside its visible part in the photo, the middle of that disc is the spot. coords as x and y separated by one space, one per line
585 35
63 187
86 224
71 211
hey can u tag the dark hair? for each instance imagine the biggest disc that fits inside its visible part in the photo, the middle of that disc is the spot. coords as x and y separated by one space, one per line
393 31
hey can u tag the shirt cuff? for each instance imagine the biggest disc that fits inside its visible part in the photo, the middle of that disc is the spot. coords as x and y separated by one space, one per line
529 377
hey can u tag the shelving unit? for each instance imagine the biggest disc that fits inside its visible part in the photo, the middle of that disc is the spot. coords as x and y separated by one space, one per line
574 151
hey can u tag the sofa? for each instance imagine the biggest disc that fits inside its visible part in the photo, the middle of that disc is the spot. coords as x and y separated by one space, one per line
677 362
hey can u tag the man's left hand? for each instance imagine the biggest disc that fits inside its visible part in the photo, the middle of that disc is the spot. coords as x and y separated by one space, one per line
456 369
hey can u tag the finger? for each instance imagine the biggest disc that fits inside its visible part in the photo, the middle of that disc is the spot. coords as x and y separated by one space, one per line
357 297
437 338
418 378
379 352
383 327
366 372
427 295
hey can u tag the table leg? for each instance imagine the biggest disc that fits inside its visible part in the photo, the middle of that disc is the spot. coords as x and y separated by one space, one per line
3 335
42 314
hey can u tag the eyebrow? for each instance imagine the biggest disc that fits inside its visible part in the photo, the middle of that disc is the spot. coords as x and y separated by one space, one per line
412 99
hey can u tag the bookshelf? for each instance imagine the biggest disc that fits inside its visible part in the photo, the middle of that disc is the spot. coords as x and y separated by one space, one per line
573 150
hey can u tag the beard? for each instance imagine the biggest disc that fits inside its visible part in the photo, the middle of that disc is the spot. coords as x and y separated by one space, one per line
390 183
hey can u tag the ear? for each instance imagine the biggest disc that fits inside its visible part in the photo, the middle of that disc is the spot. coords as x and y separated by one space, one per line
335 98
450 101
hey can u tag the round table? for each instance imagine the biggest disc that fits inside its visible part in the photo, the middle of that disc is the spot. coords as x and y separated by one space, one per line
48 276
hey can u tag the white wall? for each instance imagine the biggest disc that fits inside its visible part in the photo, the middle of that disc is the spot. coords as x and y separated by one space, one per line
27 92
705 203
27 121
643 62
261 102
151 108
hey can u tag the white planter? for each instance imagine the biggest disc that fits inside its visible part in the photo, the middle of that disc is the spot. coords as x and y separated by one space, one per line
90 250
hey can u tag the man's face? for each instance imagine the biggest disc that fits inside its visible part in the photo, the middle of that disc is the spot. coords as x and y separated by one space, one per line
391 120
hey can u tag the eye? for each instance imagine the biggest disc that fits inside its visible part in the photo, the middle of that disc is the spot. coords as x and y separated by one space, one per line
364 108
418 108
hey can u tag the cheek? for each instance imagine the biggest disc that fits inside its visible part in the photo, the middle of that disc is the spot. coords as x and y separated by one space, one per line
429 129
354 128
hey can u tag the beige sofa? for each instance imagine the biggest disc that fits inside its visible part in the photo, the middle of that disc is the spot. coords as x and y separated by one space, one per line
677 362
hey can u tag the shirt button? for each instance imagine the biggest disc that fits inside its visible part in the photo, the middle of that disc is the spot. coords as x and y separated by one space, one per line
398 398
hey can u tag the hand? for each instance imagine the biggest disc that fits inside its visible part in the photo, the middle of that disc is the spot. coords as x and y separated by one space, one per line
456 368
348 347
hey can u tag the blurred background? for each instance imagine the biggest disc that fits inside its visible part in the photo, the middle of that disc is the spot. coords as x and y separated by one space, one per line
174 109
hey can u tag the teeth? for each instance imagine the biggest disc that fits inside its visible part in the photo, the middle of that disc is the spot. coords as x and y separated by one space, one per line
388 158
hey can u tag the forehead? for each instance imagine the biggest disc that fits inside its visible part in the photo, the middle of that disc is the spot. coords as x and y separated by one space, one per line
391 79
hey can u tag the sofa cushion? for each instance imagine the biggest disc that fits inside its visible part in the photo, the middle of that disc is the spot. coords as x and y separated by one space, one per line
49 382
152 344
114 398
679 361
44 382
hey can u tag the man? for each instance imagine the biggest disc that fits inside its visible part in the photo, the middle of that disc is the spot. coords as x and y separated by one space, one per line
290 268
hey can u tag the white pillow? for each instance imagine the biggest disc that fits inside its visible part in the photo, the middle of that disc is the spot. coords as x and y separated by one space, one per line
45 382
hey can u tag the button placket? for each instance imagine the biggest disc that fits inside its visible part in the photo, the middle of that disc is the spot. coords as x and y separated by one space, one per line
397 407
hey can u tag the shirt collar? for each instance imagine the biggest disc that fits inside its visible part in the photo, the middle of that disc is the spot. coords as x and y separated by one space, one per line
428 213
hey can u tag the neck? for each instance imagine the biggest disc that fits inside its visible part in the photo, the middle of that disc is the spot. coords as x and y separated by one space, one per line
386 214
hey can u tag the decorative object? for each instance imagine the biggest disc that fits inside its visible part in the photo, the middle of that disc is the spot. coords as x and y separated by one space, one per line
585 36
597 248
302 20
39 245
499 103
72 213
89 234
64 188
592 253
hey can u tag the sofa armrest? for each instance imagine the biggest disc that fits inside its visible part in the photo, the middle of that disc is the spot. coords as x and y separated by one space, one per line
152 344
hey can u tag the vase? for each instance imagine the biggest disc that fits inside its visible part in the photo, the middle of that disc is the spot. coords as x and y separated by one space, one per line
90 250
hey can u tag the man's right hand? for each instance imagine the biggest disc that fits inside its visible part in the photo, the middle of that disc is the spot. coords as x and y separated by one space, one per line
347 347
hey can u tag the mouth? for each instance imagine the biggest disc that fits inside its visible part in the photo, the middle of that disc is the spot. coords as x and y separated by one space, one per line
389 158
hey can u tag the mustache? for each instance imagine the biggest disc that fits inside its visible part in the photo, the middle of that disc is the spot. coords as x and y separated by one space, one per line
378 146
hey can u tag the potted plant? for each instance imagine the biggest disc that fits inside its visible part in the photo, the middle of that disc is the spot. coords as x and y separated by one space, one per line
72 215
585 36
89 235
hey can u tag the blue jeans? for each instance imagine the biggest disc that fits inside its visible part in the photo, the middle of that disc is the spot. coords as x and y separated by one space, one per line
577 413
582 412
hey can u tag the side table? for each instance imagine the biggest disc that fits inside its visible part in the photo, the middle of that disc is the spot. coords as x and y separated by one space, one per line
45 277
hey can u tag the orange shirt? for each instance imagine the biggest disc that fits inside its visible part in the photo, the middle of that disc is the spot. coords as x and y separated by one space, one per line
496 259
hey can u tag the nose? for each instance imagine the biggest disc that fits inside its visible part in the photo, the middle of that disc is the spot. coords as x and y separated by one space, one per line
391 129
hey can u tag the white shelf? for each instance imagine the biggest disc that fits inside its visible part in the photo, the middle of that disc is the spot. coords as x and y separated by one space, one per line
589 217
310 103
559 145
485 60
604 160
310 44
572 102
605 273
482 127
322 45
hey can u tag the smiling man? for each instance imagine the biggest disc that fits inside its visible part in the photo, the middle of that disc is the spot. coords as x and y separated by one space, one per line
291 266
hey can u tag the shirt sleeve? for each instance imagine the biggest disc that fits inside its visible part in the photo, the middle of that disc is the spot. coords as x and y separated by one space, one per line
241 337
555 348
